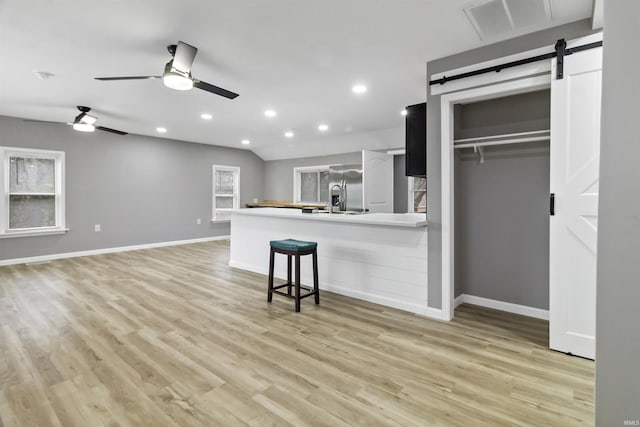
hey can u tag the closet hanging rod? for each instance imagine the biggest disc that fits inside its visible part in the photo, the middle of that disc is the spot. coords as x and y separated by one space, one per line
503 142
560 52
506 135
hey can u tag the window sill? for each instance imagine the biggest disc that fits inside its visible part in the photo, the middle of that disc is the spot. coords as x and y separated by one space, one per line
33 233
218 221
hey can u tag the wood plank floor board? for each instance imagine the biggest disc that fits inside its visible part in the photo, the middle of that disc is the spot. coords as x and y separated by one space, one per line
30 406
174 336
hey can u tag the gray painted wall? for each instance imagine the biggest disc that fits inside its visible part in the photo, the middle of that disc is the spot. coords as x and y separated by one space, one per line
501 206
618 291
434 189
400 184
510 114
140 189
502 224
278 174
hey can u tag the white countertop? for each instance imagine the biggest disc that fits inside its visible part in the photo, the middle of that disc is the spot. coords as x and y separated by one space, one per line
411 220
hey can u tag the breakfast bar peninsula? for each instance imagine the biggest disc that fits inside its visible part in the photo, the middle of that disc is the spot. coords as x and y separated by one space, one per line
377 257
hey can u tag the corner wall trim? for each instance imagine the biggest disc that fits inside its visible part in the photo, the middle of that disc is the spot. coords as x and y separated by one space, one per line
523 310
92 252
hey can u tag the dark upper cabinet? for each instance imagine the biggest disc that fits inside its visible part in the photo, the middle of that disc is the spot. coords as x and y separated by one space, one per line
416 140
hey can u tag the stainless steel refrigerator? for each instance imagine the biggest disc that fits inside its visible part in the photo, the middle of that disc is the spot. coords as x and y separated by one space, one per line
345 187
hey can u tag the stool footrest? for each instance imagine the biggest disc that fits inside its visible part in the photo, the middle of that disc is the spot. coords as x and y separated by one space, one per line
284 294
304 288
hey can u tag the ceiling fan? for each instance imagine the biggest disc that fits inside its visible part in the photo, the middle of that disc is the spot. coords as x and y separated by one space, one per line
177 72
84 122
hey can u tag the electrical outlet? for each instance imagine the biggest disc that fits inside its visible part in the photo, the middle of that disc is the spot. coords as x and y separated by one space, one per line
198 221
97 228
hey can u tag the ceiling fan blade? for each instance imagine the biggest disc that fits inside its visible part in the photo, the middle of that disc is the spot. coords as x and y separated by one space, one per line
119 132
128 78
214 89
42 121
184 56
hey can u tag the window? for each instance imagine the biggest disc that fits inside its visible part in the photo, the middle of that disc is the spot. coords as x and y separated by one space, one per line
32 192
417 194
226 191
311 184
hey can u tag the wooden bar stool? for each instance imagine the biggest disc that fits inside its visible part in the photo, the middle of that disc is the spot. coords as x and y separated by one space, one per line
293 248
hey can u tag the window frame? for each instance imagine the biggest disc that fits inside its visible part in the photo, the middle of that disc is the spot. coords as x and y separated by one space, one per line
59 192
235 195
411 192
297 182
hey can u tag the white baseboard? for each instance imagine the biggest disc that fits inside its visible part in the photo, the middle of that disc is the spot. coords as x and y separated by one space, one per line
379 299
523 310
376 299
247 267
43 258
433 313
458 300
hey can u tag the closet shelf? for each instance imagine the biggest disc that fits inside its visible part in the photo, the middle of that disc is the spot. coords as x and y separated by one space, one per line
509 138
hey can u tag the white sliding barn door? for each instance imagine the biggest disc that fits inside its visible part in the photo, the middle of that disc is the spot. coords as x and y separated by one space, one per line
377 181
575 161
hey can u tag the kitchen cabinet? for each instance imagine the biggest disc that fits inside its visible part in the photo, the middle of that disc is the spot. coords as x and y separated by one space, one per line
416 140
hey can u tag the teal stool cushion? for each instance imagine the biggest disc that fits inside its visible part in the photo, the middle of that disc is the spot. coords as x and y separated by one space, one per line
293 245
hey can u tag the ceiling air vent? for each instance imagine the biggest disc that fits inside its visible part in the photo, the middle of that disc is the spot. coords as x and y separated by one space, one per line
495 18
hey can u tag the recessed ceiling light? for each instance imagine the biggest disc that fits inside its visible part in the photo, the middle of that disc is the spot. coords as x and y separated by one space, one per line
323 127
161 130
206 116
403 112
359 89
245 142
289 134
270 113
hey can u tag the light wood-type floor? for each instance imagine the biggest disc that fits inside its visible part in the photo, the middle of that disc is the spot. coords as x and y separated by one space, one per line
173 336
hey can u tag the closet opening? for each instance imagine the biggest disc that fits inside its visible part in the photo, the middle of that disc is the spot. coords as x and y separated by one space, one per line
501 204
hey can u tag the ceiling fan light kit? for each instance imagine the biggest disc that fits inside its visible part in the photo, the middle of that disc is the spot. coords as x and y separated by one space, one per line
84 127
176 81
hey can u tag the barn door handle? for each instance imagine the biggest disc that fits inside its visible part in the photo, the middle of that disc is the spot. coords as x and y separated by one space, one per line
552 204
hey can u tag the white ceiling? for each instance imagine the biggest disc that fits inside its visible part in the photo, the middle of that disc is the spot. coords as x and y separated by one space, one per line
299 57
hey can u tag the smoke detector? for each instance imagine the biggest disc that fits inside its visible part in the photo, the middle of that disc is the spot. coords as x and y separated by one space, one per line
496 18
43 75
